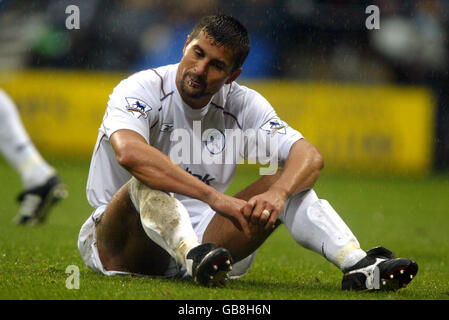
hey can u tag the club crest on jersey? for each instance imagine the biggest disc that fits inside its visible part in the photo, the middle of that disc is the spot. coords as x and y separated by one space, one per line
215 141
274 125
138 107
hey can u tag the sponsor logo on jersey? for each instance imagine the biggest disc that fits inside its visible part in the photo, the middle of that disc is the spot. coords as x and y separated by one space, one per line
206 178
138 108
274 126
215 141
166 127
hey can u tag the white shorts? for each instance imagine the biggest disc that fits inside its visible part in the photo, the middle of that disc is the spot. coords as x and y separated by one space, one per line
87 245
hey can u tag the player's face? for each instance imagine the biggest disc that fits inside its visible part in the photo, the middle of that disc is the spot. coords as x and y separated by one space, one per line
204 69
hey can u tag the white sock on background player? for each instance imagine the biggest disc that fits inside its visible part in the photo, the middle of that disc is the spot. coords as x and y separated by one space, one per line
315 225
17 148
165 220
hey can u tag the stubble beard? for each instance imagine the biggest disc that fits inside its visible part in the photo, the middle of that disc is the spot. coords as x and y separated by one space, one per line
197 92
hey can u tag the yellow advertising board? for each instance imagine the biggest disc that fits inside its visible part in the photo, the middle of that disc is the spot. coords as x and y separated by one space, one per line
360 128
355 127
61 110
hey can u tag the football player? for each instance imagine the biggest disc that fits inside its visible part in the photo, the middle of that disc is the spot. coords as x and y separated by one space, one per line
163 213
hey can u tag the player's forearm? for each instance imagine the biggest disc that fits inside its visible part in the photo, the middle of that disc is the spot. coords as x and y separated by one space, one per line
301 169
260 186
158 172
155 169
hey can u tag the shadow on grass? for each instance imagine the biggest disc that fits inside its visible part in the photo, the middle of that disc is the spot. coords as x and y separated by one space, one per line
261 287
307 288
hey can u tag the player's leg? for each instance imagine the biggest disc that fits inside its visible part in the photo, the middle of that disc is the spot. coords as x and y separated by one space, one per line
223 232
329 237
17 147
315 225
123 244
322 230
41 184
142 229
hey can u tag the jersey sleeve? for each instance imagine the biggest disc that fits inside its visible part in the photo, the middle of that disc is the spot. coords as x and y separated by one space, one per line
131 107
274 136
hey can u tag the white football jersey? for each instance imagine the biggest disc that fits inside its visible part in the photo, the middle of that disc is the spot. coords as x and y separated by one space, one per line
203 141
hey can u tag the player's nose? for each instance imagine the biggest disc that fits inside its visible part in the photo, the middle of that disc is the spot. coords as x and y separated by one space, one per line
201 68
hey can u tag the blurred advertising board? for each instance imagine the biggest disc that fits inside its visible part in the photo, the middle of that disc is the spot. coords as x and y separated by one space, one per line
363 128
369 128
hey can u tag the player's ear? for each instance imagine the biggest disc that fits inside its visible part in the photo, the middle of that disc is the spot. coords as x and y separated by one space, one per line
189 38
235 74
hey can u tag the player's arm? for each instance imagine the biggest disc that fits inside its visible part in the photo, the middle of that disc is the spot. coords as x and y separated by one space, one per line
158 171
301 169
300 172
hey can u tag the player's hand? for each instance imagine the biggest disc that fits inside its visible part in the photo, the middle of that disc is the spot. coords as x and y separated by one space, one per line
232 208
272 200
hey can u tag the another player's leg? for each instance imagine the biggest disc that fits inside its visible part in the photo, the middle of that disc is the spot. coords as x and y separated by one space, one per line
42 186
315 225
142 229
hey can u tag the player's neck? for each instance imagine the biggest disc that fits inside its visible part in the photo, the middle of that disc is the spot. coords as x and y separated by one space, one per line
196 103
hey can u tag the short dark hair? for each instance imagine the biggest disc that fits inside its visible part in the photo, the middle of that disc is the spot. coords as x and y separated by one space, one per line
226 31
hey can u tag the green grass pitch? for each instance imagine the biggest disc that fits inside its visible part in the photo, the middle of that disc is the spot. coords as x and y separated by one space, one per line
407 215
